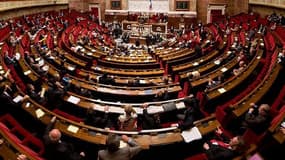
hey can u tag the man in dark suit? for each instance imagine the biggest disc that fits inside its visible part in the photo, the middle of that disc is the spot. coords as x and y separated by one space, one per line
257 118
55 148
114 152
191 114
222 147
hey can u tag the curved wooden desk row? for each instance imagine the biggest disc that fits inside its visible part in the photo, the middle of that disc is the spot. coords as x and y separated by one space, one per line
128 72
188 52
125 80
163 53
201 60
76 61
223 69
236 80
255 96
135 64
117 107
87 133
213 65
195 62
175 87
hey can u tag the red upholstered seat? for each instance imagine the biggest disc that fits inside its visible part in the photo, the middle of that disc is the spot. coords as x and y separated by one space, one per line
200 156
67 115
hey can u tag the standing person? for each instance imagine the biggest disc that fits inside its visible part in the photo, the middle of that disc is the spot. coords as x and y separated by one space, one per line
114 152
55 148
128 121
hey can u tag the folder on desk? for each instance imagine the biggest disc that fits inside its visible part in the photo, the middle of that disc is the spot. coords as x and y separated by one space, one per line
222 90
142 81
72 128
195 64
154 109
180 105
224 69
191 135
39 113
73 99
18 98
123 144
27 72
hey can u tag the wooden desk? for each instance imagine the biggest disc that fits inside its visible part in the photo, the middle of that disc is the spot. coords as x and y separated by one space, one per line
98 136
236 80
244 104
128 72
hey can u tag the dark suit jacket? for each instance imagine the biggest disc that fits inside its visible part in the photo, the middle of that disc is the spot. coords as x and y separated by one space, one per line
125 153
258 123
217 152
58 150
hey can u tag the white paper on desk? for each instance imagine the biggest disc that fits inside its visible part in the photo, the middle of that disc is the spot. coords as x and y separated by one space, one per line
71 68
180 105
224 69
99 108
191 135
222 90
116 110
154 109
18 98
217 62
195 64
27 72
40 113
123 144
73 99
138 110
72 128
142 81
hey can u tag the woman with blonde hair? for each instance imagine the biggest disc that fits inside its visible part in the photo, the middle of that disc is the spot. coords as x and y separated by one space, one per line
128 121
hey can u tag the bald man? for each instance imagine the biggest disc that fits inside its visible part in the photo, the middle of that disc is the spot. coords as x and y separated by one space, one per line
55 149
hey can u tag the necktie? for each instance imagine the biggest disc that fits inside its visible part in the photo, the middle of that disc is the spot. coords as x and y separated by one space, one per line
220 143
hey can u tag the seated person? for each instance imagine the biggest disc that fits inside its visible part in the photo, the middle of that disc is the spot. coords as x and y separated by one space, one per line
128 121
239 70
149 121
39 96
106 79
96 119
161 95
191 114
193 75
222 147
211 83
114 152
257 118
